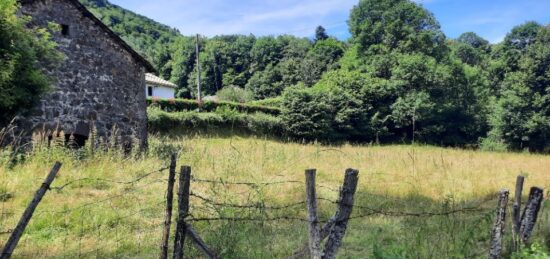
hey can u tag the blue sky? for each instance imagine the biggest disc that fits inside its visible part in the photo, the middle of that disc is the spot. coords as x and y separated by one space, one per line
491 19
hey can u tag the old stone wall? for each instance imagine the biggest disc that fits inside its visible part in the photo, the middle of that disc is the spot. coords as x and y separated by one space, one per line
99 82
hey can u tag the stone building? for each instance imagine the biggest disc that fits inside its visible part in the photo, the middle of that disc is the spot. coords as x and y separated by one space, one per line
99 84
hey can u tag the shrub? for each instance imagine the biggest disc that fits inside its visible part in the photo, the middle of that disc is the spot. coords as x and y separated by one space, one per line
235 94
269 102
493 143
332 110
163 147
179 105
23 51
306 115
223 120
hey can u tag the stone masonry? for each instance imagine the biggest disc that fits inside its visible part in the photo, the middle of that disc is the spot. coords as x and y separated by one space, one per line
99 84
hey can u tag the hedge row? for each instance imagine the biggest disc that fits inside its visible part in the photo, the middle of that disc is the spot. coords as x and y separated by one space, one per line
221 121
178 105
269 102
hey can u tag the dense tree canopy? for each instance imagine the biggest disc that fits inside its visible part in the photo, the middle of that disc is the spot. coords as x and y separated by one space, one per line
320 33
264 65
384 26
22 80
399 81
146 36
522 113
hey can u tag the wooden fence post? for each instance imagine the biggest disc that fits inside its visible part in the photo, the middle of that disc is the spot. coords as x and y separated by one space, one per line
516 215
201 245
497 232
27 215
530 214
183 210
311 200
343 213
168 213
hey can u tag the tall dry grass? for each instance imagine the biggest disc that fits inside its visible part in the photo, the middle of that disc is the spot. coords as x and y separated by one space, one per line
93 218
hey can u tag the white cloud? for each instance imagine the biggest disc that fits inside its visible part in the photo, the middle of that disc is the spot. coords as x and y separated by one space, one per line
213 17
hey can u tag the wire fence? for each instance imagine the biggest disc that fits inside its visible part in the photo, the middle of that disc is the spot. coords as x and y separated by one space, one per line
127 223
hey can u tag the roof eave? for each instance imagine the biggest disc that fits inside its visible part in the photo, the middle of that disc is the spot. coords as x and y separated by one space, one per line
138 57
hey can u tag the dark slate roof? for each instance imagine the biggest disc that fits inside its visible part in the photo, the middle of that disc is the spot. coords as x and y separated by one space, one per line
140 59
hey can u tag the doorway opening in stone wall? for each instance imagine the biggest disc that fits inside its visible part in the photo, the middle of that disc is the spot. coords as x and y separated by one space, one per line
75 141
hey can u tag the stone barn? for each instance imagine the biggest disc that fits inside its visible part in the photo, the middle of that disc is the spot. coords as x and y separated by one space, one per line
98 87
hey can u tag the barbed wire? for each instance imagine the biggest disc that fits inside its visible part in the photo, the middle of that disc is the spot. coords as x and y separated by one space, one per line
9 231
257 185
284 218
60 188
372 211
129 191
222 182
258 205
375 211
364 211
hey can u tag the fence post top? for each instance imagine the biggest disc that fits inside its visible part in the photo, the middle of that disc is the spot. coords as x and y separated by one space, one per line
311 171
537 188
352 171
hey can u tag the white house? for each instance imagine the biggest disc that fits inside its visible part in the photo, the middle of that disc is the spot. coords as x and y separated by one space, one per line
158 87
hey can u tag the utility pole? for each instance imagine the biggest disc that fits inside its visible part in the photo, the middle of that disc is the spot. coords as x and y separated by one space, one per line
198 70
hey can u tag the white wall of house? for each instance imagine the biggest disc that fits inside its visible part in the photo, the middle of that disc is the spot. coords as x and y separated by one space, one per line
160 91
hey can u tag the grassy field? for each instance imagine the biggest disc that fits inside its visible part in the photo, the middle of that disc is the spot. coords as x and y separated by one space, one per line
104 212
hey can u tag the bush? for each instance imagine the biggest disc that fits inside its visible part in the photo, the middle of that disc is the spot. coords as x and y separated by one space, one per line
179 105
331 110
276 102
235 94
306 115
493 143
24 51
223 120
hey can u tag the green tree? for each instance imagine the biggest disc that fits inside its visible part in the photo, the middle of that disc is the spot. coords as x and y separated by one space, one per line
182 64
474 40
23 50
382 26
522 117
320 33
506 55
399 81
324 56
306 115
146 36
471 49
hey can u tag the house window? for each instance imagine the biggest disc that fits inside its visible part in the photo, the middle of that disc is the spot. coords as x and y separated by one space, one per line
64 29
150 91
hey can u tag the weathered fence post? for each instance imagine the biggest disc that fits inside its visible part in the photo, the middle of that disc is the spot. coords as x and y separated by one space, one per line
497 233
343 213
530 214
201 245
516 215
311 200
168 213
183 210
27 215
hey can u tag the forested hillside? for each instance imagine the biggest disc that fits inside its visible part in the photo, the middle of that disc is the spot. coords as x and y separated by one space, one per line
146 36
263 66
